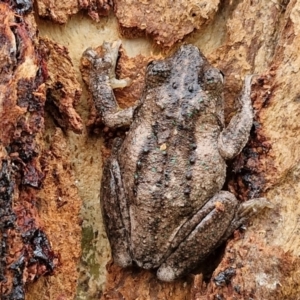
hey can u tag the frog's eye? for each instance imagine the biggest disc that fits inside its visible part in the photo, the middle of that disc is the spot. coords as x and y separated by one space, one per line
158 71
213 76
223 76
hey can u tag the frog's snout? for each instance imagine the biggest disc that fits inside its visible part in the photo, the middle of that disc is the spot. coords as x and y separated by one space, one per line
189 50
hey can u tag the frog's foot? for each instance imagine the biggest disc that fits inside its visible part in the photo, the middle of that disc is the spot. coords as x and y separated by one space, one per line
253 207
121 257
245 211
216 216
106 64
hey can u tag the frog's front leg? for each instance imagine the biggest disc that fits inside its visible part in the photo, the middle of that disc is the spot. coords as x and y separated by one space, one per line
235 136
207 228
102 81
115 210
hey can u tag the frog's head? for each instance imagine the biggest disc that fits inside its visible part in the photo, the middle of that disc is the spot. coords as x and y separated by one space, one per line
190 60
199 83
188 66
185 82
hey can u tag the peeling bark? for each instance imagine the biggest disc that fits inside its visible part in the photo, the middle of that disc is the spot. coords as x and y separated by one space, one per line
63 89
37 190
166 21
27 252
61 11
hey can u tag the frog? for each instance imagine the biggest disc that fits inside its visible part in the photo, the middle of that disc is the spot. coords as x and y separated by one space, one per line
162 196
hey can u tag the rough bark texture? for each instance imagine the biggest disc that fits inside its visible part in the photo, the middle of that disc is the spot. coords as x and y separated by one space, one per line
63 89
167 21
36 182
37 185
60 11
26 253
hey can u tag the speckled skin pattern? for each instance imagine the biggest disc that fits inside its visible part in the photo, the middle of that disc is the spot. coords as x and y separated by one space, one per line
161 191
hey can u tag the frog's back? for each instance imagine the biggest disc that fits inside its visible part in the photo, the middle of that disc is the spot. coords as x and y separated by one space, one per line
168 175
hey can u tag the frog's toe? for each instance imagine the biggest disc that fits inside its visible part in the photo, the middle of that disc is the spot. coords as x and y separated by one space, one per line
253 207
90 54
166 273
123 260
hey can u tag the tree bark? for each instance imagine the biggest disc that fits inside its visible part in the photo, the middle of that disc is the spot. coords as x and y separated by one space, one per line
46 170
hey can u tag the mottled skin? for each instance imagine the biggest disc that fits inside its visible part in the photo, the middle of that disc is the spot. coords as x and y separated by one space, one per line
161 189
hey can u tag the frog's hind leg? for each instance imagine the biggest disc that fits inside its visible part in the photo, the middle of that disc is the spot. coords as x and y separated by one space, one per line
115 211
214 219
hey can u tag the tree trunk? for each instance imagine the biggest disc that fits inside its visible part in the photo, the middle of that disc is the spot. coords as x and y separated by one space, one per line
53 243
